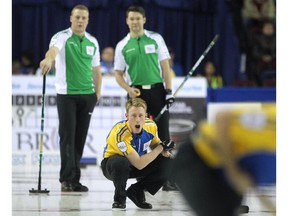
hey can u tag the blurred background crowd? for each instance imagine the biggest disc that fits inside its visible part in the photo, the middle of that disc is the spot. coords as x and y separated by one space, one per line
245 54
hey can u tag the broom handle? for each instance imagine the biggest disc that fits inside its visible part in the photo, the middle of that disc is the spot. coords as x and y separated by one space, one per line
42 131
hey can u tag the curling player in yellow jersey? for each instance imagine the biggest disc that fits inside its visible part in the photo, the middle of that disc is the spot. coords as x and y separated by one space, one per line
134 150
224 159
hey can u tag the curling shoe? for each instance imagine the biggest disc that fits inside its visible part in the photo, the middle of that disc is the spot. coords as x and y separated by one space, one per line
118 206
137 196
73 187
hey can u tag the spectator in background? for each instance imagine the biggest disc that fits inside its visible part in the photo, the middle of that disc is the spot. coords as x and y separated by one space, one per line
254 11
247 17
175 66
264 53
27 63
214 80
16 68
107 61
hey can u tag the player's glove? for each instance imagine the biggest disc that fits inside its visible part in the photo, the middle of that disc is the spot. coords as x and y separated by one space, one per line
169 98
168 145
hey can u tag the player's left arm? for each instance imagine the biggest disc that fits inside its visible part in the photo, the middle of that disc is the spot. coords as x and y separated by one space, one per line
166 70
168 82
97 78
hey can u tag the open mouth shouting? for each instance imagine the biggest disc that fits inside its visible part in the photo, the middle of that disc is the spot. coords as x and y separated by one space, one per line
137 129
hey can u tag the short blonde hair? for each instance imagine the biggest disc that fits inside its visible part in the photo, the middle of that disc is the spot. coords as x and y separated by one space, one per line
136 102
80 7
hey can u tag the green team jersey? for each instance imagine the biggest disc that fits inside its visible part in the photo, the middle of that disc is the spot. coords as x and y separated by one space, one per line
140 58
74 62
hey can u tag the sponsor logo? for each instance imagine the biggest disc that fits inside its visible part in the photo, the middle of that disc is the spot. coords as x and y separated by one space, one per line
122 146
72 43
146 145
130 50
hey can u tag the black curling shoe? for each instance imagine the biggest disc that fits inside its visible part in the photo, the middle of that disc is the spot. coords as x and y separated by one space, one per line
138 197
118 206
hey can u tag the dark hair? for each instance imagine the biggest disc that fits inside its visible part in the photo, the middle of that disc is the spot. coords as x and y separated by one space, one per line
134 8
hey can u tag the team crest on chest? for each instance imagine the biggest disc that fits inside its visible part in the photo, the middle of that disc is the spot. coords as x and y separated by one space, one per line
89 50
150 48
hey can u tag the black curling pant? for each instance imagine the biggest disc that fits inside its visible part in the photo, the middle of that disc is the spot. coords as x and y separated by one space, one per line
118 169
74 113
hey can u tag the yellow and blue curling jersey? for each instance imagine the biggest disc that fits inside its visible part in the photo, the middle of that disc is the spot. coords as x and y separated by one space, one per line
121 140
253 134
